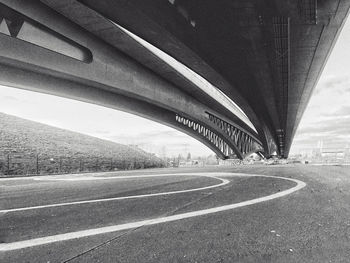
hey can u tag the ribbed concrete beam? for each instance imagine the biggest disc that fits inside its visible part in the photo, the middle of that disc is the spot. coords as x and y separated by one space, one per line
56 56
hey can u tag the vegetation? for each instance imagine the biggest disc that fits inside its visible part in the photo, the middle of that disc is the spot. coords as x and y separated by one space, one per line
28 147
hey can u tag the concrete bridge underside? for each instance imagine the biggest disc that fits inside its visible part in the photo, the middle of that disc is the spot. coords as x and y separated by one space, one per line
266 56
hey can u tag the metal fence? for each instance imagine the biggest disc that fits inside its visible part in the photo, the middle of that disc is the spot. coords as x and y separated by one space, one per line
39 164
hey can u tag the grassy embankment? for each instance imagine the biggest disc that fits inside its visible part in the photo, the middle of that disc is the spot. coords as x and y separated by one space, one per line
28 147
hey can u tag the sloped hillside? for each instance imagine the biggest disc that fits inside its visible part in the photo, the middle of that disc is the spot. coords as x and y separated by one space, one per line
28 147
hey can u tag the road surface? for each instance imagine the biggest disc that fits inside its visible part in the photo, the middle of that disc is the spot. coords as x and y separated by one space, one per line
290 213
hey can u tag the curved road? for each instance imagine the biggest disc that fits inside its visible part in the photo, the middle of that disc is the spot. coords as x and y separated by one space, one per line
97 217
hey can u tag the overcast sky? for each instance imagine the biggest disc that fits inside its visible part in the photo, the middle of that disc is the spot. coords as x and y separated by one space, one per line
326 119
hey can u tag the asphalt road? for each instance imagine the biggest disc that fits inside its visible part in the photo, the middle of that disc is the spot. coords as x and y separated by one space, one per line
179 215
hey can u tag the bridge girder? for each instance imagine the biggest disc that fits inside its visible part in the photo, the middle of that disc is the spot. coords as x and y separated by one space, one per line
45 52
266 57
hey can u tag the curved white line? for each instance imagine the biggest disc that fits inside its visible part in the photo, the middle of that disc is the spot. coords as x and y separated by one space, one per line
103 230
223 182
94 178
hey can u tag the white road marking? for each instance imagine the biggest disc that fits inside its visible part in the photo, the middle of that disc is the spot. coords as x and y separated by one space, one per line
103 230
223 182
94 178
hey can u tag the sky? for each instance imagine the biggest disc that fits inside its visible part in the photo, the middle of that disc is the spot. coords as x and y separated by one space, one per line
326 119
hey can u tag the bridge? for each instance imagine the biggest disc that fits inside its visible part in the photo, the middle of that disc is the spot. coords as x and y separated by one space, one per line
235 75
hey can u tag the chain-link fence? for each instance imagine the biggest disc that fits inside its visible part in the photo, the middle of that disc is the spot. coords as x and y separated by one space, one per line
40 164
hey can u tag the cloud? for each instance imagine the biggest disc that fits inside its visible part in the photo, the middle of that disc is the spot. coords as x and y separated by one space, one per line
333 131
335 125
10 98
149 136
327 117
334 84
342 111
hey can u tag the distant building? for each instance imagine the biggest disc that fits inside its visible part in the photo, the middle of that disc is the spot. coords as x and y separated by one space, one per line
193 163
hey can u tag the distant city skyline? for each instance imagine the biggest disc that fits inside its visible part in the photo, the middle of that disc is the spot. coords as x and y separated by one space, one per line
327 117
